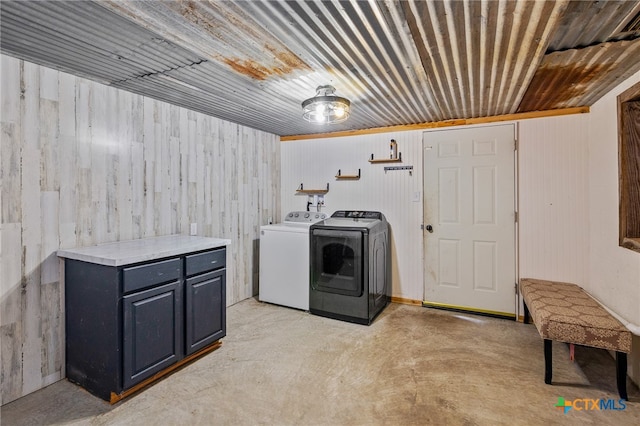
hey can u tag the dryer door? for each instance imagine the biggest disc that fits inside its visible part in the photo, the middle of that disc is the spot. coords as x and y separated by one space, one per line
336 261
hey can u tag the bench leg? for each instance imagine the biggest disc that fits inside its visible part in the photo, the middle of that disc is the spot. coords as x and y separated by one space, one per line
526 313
547 361
621 374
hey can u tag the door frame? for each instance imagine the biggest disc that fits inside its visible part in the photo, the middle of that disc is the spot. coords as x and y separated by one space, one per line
516 159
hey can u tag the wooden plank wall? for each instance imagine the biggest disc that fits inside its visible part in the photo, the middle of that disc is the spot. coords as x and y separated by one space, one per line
83 163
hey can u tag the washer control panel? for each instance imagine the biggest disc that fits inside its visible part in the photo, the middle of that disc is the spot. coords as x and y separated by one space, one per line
305 217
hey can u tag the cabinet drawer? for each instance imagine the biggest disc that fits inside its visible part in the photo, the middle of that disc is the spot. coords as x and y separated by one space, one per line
207 261
139 277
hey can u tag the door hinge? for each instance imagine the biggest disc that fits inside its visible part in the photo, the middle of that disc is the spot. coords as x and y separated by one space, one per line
515 217
516 145
515 288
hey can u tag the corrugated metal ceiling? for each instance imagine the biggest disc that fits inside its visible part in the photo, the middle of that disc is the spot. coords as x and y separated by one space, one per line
399 62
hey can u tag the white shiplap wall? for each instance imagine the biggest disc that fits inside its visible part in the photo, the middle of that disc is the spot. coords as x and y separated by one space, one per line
83 163
553 196
316 162
614 270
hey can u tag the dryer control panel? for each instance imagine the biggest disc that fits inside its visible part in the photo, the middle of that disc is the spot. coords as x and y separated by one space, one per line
355 214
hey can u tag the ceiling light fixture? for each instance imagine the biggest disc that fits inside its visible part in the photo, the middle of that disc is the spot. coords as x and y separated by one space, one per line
325 107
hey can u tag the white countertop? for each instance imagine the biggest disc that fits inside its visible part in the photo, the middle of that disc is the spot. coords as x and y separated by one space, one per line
133 251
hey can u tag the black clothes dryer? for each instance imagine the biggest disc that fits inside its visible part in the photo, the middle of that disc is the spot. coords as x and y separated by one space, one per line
350 266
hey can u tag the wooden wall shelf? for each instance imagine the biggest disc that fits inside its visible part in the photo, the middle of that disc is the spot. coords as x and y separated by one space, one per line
386 160
339 176
302 191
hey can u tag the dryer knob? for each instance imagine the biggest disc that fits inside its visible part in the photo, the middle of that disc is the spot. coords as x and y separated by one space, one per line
297 214
306 215
317 216
290 214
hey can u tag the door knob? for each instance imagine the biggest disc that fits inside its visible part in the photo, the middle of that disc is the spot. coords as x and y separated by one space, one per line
430 228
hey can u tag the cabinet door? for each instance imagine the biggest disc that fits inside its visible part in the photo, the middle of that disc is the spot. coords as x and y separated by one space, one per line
152 331
205 310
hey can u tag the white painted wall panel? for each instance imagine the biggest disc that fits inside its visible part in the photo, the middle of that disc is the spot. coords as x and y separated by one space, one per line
83 164
614 271
316 162
553 198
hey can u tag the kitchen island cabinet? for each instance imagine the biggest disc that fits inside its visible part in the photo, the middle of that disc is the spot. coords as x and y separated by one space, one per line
135 310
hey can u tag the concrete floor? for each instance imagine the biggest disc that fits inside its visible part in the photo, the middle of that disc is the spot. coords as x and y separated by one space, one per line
280 366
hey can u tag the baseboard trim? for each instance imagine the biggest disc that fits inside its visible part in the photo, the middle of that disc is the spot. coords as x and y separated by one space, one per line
405 301
117 397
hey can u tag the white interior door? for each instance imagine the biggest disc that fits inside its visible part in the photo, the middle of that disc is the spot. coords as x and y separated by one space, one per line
469 217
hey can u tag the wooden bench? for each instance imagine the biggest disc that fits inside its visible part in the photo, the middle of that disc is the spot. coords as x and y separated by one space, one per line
566 313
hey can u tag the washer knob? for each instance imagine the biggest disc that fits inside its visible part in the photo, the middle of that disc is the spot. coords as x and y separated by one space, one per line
297 214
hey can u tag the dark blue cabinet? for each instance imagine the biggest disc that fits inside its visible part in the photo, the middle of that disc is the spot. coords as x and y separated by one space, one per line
205 313
152 332
128 324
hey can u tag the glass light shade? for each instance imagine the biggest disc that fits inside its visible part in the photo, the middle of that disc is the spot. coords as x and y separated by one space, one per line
325 107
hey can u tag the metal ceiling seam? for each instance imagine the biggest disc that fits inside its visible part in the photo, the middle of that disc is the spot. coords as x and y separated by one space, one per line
69 59
634 14
550 25
503 61
363 81
484 43
74 38
375 78
470 49
408 49
153 20
401 56
318 47
442 54
522 42
437 85
179 77
116 38
434 78
318 54
358 54
24 34
136 13
459 96
60 52
242 95
630 54
399 80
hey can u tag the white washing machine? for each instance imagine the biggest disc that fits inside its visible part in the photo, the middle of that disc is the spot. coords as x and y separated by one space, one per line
284 260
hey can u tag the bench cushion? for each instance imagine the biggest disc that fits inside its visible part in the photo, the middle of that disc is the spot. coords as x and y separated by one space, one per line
566 313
